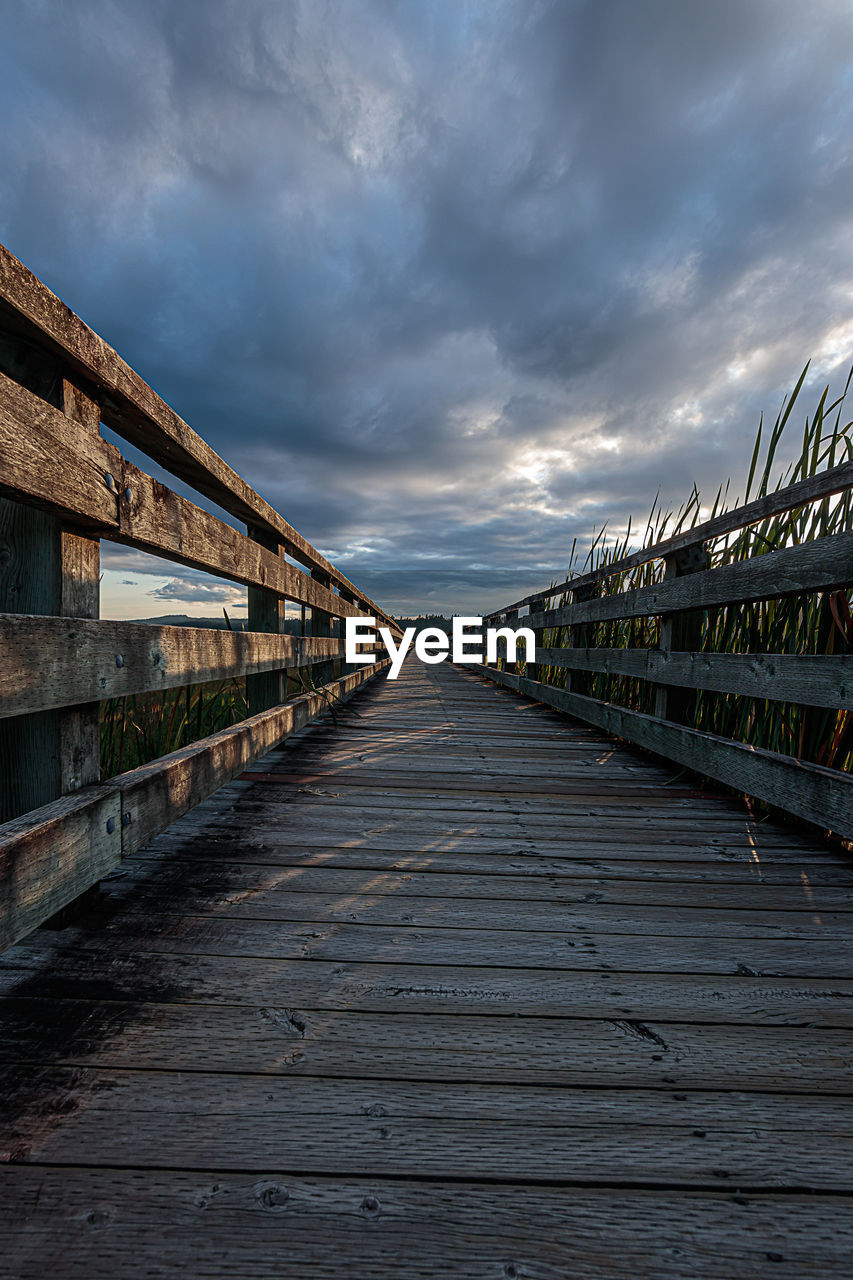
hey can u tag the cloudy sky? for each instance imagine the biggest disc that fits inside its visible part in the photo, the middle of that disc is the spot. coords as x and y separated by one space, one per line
450 282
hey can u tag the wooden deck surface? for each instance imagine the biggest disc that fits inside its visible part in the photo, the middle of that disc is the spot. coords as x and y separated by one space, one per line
453 986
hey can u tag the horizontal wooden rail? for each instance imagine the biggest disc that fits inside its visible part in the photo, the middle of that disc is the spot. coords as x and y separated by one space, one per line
57 662
825 484
50 856
821 796
132 409
815 680
54 463
820 565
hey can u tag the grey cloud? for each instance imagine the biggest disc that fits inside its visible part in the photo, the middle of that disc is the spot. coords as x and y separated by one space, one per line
452 277
183 591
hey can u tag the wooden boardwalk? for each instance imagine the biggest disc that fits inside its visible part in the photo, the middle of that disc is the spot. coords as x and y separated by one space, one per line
450 986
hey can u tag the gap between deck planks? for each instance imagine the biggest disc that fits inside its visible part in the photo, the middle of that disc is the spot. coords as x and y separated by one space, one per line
446 984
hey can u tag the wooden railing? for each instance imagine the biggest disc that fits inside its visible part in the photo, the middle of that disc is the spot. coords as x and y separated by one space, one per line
678 668
64 488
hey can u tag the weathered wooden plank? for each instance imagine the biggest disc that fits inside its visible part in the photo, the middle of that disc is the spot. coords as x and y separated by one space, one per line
555 917
109 1223
574 949
472 1048
824 680
472 766
49 857
614 1136
823 485
49 461
105 1095
822 796
34 968
487 782
633 821
135 411
200 882
673 861
810 566
50 662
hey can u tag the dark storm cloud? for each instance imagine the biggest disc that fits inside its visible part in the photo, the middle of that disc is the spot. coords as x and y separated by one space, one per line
448 282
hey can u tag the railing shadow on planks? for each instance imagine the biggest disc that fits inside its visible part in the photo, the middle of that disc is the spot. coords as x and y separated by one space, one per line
678 667
64 488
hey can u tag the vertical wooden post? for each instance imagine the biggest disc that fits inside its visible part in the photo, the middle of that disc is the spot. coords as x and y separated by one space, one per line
345 667
510 619
265 689
321 625
81 598
580 637
536 670
30 582
46 568
680 633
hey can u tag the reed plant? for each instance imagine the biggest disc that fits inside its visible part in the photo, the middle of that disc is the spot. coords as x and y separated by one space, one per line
815 623
140 727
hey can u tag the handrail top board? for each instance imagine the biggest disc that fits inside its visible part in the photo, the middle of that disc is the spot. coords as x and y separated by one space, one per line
825 484
820 564
131 408
65 469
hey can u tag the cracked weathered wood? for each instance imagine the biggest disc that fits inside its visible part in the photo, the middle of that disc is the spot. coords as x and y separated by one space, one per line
820 565
55 662
815 680
111 1222
51 856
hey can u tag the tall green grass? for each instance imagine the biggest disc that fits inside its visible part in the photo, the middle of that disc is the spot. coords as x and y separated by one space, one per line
817 623
141 727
